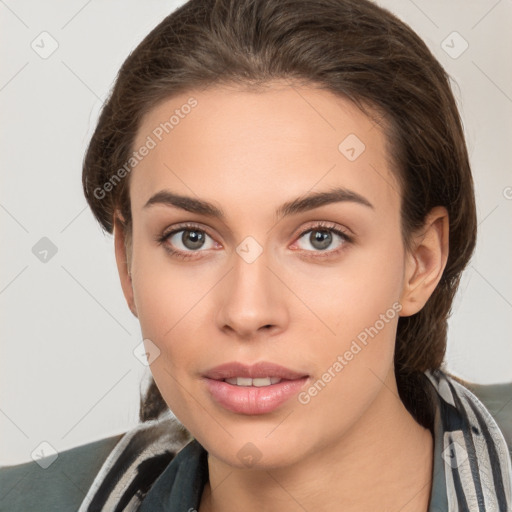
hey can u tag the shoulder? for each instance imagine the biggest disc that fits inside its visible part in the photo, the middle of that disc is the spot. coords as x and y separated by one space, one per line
497 399
91 476
53 484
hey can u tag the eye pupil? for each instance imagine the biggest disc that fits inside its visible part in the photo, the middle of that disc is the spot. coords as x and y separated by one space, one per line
320 239
192 239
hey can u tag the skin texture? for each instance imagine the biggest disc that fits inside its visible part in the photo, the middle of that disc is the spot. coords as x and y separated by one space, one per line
296 305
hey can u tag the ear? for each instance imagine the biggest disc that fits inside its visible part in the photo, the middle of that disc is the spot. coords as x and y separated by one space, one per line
425 261
123 261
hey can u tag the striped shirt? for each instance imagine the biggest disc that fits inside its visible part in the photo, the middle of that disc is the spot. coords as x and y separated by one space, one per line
472 464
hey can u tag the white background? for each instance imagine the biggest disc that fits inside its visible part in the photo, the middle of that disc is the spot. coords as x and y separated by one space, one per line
68 374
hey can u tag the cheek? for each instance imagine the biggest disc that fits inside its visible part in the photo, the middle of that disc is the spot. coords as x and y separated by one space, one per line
358 304
351 293
172 315
165 292
174 311
170 311
352 364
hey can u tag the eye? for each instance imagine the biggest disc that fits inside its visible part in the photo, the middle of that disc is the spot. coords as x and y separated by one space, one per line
322 237
183 241
187 239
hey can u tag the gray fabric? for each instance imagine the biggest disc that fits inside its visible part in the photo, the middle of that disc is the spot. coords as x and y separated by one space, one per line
59 488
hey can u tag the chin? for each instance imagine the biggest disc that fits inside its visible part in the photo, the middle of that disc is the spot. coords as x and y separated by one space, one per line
255 452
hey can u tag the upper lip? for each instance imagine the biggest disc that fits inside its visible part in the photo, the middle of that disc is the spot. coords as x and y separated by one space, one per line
254 371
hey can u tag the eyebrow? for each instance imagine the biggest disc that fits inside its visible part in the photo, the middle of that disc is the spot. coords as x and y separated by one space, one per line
298 205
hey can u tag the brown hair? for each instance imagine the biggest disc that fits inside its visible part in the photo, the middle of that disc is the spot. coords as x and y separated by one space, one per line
352 48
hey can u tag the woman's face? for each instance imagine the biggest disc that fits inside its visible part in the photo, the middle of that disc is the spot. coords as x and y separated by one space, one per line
273 271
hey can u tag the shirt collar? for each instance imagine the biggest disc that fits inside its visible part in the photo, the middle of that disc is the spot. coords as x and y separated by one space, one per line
181 484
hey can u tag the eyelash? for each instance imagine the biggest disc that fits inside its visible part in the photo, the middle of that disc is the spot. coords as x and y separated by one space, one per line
320 226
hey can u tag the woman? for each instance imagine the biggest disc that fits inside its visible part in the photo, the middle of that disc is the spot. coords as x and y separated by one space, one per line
292 207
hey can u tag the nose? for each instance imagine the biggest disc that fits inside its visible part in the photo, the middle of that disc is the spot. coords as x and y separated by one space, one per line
252 300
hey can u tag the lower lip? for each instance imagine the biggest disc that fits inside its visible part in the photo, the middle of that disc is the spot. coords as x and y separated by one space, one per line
252 399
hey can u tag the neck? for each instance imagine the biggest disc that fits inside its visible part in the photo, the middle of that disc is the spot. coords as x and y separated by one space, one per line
384 462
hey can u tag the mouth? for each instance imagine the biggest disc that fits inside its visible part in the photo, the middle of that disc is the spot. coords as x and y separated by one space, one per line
253 389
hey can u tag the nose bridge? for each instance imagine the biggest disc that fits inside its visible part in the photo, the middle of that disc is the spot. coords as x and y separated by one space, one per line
251 297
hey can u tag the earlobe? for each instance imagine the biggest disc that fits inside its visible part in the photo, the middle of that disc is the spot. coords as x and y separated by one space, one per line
123 263
425 261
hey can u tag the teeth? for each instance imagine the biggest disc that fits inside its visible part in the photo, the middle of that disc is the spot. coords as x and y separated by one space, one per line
247 381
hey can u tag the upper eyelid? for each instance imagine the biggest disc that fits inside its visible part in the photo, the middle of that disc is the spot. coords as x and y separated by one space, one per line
327 225
185 227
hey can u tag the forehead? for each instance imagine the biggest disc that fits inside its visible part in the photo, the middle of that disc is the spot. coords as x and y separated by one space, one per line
225 144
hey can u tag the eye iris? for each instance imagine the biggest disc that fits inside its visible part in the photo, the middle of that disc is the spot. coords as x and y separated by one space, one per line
192 239
320 239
